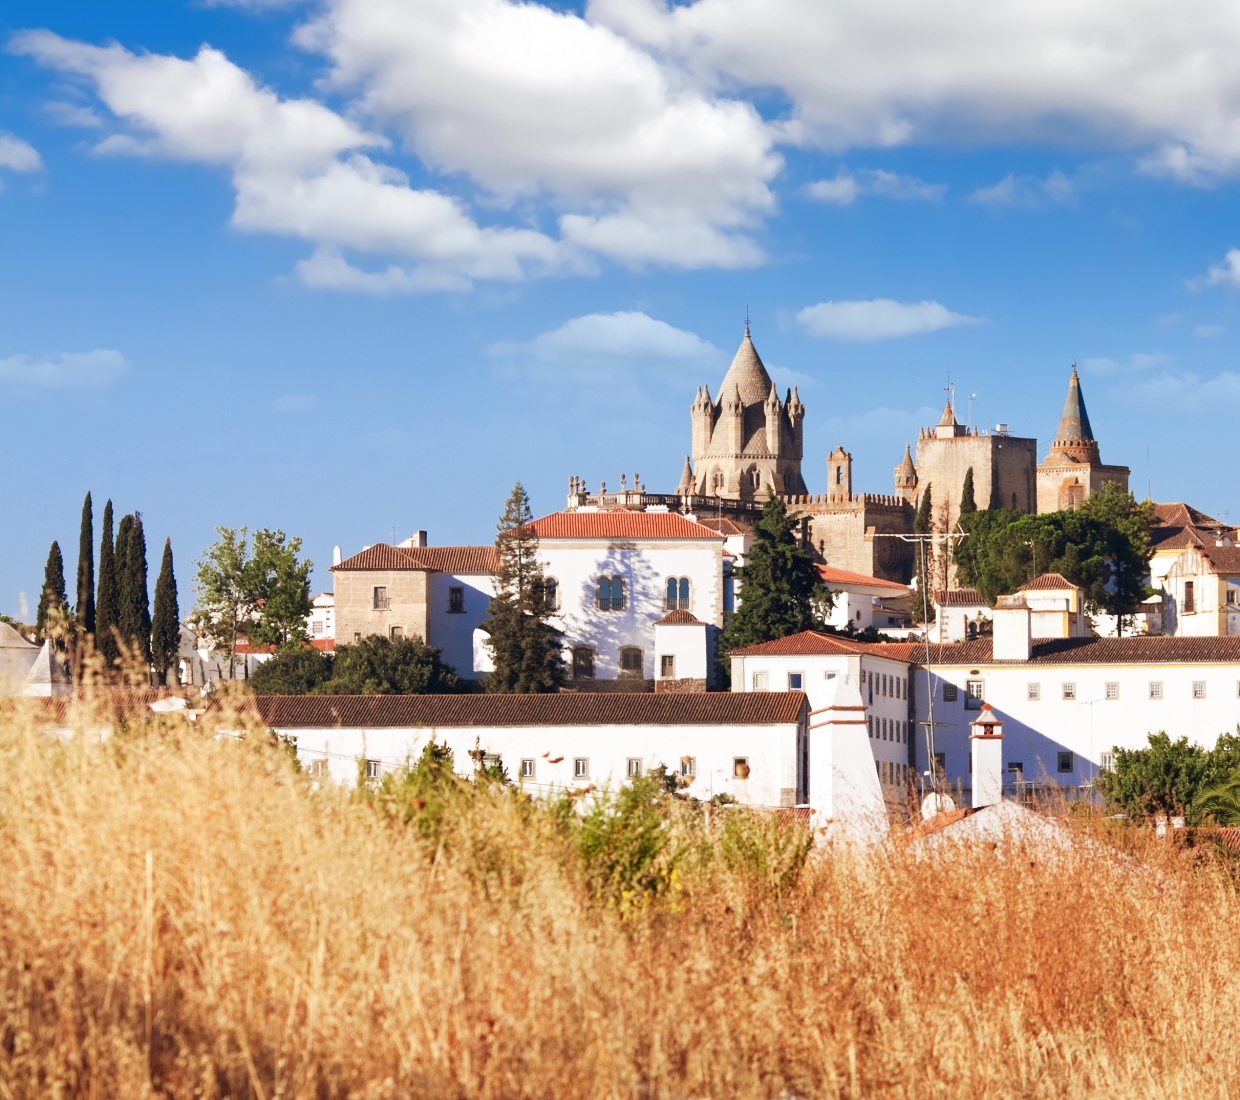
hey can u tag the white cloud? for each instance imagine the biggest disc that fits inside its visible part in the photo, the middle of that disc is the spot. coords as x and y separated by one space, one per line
1138 361
1225 274
71 114
873 181
17 155
70 370
624 335
1185 393
1014 190
878 319
1209 330
1158 79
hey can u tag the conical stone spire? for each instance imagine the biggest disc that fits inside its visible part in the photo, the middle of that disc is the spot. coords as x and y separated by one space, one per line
748 374
1074 424
685 488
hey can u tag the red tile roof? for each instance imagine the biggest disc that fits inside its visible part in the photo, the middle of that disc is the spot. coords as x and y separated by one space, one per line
960 597
431 559
1056 582
831 575
680 617
327 645
1224 559
566 709
620 525
1090 651
725 526
810 643
1179 514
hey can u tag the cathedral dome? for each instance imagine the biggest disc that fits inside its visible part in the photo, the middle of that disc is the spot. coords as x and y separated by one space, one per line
748 373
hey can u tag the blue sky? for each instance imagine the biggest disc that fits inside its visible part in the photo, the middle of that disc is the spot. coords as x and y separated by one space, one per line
355 265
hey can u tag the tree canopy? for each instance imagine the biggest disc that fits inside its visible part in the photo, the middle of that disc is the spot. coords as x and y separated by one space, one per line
107 605
1173 777
166 619
385 666
279 586
84 610
53 612
967 503
297 670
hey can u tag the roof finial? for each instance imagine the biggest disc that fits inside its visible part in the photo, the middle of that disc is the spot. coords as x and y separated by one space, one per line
746 318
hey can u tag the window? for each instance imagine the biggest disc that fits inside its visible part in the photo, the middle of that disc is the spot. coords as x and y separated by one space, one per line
676 595
382 603
633 766
456 601
1106 761
949 693
583 663
667 666
373 770
1189 607
740 767
1017 771
546 593
1069 689
527 768
611 594
357 636
1199 689
581 767
631 660
1033 692
1065 762
318 769
759 681
1112 689
397 632
1155 689
316 627
796 681
1233 594
688 766
973 698
940 763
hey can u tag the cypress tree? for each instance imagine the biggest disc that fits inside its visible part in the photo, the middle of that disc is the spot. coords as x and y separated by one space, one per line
53 594
85 610
107 606
166 621
967 503
922 524
134 610
524 646
922 521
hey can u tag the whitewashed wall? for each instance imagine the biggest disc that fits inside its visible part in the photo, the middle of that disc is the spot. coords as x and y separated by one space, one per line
454 633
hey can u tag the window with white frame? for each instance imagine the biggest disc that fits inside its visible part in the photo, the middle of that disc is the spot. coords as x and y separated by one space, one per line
740 767
1106 761
318 769
581 767
527 767
1033 692
1199 689
1156 689
373 769
759 681
688 766
974 693
667 667
633 766
316 627
1068 687
1112 689
796 681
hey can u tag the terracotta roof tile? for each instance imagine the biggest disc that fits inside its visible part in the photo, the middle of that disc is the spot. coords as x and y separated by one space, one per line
1048 582
1179 514
725 526
831 575
1091 651
565 709
810 643
431 559
620 525
1225 559
960 597
1175 538
680 617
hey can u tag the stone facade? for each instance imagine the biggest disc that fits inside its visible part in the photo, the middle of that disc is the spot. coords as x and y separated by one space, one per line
402 609
1074 469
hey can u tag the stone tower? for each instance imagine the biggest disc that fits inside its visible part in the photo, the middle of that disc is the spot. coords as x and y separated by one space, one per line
906 477
747 441
839 473
1074 468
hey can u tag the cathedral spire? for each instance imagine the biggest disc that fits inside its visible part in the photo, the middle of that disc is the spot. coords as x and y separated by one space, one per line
1074 424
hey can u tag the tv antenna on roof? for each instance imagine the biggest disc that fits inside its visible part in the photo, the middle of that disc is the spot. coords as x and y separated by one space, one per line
746 318
950 389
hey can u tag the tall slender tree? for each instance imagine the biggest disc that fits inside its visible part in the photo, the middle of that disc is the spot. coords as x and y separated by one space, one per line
524 646
166 620
967 504
107 605
52 603
134 612
922 524
85 609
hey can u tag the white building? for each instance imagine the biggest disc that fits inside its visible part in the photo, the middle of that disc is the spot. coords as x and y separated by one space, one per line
17 656
321 622
862 601
958 615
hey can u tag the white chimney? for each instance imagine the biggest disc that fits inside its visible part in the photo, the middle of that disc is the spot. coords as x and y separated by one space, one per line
337 558
416 540
986 748
1013 640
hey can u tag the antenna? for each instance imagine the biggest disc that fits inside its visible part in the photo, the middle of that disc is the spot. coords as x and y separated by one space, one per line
972 398
746 318
950 389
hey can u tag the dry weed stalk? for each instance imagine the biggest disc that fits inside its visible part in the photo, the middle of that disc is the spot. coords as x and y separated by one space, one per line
184 915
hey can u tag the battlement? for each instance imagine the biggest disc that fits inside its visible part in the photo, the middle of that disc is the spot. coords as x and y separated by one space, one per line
638 500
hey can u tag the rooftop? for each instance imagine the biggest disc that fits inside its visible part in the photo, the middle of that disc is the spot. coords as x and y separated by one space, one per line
430 559
1055 582
748 374
810 643
831 575
960 597
1090 651
1074 423
619 525
679 617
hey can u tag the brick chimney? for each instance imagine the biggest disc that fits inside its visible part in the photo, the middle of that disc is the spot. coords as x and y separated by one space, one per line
986 748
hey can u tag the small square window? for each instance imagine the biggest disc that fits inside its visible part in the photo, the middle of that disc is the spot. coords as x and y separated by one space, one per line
1199 689
740 767
1034 692
1065 762
633 766
316 627
1069 689
688 766
667 666
796 681
949 693
357 636
1155 689
1112 690
581 767
318 769
759 681
527 768
1016 771
973 698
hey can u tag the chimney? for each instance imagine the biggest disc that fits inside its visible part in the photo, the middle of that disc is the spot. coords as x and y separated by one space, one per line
336 555
1012 638
986 748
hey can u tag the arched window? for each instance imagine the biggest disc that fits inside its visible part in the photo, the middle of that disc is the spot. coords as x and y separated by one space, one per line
611 594
630 661
676 594
583 663
546 593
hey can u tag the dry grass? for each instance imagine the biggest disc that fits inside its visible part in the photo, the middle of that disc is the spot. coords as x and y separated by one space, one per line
183 916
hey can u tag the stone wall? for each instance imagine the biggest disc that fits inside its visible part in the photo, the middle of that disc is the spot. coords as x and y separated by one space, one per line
1056 490
356 614
1003 473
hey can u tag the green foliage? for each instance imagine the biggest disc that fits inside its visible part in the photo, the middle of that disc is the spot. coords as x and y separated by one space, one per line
297 670
53 611
1104 546
781 592
967 504
134 607
420 794
224 603
279 586
1221 802
107 607
923 520
1172 777
765 847
525 647
389 666
166 621
84 610
16 624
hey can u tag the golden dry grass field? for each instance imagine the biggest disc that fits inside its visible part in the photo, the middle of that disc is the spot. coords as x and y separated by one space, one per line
187 916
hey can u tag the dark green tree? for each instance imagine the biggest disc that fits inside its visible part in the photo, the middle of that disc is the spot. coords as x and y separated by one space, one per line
967 503
922 521
166 619
85 609
279 586
389 666
525 647
922 524
107 606
297 670
53 612
134 612
1172 777
781 591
